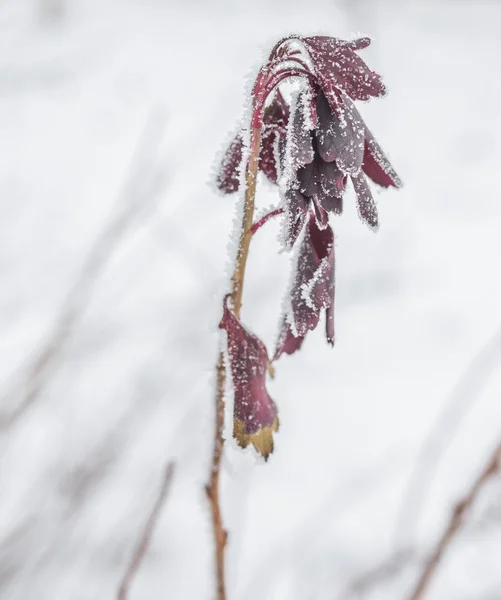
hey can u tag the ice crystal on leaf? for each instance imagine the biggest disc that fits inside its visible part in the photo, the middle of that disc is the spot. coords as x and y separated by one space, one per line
326 141
312 290
275 122
255 413
310 147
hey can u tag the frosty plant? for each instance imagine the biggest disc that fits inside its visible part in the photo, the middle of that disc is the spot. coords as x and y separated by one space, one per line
309 146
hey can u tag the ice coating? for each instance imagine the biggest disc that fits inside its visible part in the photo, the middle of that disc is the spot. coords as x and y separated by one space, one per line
255 413
338 67
312 290
275 121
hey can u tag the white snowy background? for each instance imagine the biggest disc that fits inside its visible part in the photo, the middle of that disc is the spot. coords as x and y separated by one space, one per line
112 265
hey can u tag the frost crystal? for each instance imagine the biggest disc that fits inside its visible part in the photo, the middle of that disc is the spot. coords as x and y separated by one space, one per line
310 147
255 413
312 290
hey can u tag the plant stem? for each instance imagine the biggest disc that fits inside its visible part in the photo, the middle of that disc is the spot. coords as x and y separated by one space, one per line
145 539
258 224
456 521
212 488
246 231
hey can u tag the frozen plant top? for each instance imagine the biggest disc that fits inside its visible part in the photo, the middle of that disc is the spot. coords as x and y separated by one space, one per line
310 147
320 141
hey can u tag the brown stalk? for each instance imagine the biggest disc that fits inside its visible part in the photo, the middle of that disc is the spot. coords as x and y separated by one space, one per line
212 488
247 219
145 539
455 523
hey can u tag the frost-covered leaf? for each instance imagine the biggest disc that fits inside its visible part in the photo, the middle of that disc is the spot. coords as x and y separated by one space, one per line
228 176
365 202
255 413
332 180
268 155
312 290
275 121
376 165
308 179
340 137
288 343
329 204
276 118
321 215
296 208
300 136
338 67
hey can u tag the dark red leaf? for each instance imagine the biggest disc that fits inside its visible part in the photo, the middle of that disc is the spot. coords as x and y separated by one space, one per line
377 166
296 208
276 117
365 202
255 413
313 288
228 176
301 147
340 136
337 66
288 343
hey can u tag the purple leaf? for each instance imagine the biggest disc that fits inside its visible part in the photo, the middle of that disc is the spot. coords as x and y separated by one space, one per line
275 120
313 288
296 208
366 205
376 165
308 178
340 137
332 180
321 215
300 138
288 343
255 413
228 176
330 204
337 66
267 156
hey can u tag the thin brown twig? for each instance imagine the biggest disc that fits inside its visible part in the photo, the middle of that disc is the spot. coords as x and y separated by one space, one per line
212 488
141 184
455 523
462 399
145 538
381 573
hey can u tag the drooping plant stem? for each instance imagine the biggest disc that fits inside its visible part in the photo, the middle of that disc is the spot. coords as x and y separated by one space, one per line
212 488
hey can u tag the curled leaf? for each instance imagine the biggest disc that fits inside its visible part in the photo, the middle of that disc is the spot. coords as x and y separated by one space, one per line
312 290
255 413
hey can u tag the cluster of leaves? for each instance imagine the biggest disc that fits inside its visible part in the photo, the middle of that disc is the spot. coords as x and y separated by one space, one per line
310 148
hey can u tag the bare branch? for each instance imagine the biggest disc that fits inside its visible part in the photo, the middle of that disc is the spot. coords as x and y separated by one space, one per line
145 539
459 403
141 185
212 488
381 573
455 523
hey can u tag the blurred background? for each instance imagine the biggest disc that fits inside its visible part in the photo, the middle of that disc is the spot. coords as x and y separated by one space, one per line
113 260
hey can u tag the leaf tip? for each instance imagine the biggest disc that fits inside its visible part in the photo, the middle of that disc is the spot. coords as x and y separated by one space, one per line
262 439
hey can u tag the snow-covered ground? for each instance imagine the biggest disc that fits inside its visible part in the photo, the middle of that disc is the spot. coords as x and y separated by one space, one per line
110 119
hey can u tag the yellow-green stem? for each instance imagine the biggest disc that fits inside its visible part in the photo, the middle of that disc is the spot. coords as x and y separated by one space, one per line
247 219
